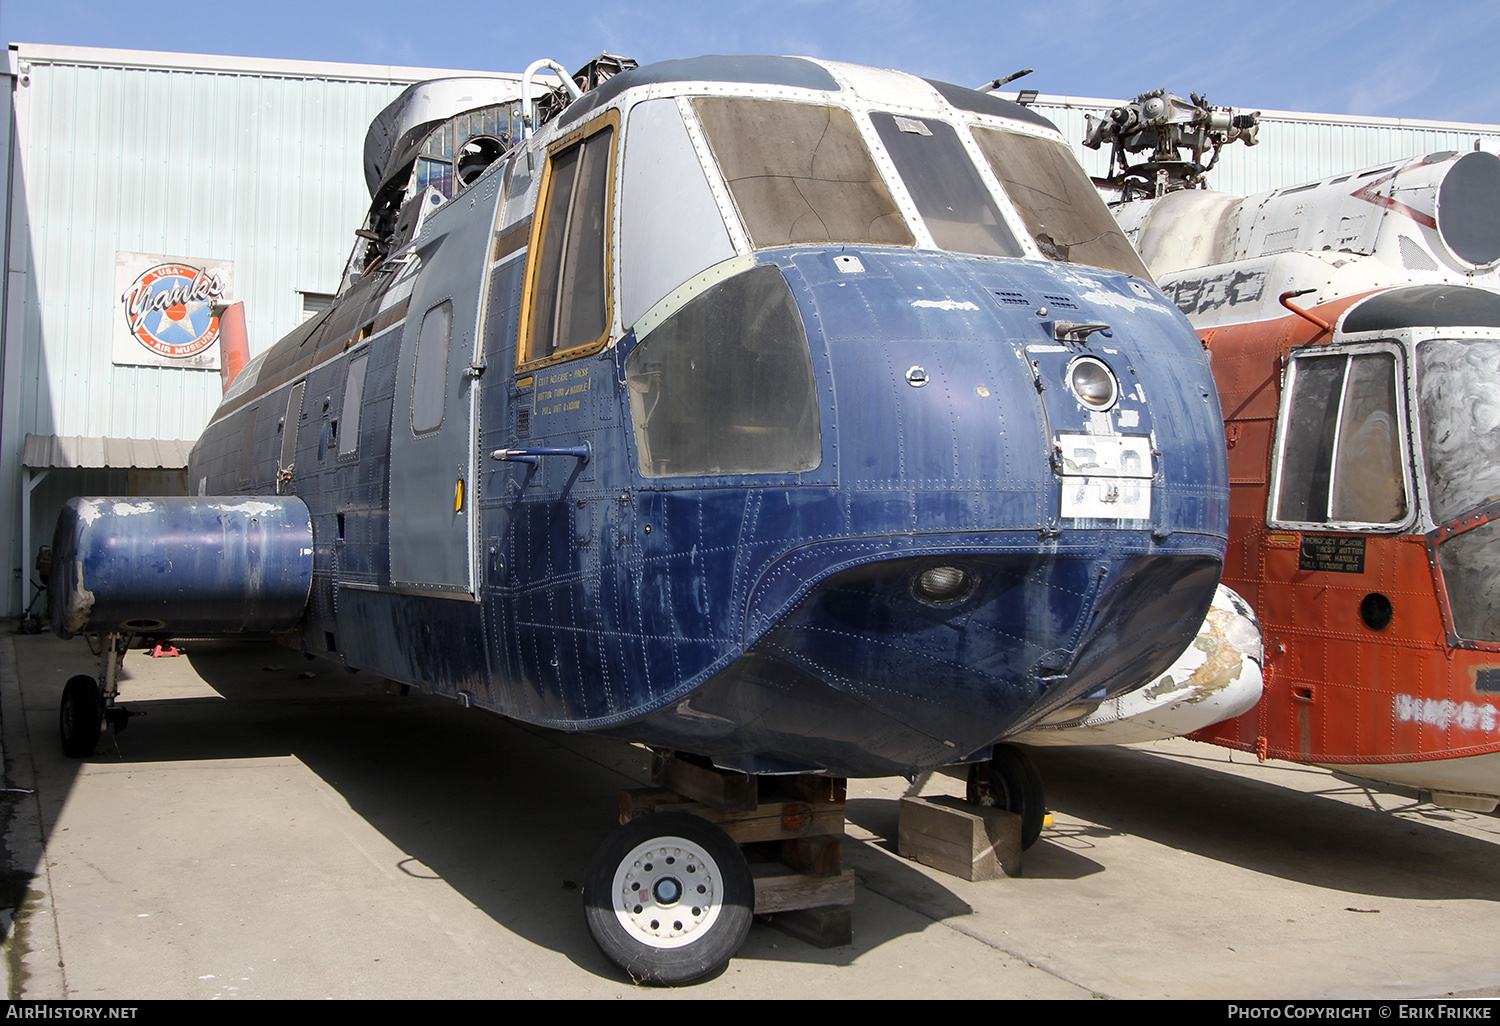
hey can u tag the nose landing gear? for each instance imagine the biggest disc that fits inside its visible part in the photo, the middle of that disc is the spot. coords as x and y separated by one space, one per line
1009 781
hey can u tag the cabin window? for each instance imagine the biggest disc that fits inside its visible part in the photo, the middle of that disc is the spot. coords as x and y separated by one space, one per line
1059 205
354 392
1458 391
959 211
568 298
1341 455
429 390
800 173
725 385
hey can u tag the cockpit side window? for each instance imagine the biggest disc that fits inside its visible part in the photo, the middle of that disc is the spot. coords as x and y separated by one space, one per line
954 203
567 298
800 173
1342 459
670 222
725 384
1061 208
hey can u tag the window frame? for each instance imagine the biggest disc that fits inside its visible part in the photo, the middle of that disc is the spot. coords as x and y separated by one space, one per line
1007 245
903 210
348 441
525 342
1027 215
419 364
1404 440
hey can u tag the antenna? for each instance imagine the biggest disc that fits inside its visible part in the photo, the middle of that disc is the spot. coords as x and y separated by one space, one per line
1008 78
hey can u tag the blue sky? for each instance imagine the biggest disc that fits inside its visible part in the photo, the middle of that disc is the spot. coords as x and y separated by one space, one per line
1395 58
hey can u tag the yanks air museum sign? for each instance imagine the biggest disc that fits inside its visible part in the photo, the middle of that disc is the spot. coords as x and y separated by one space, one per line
164 309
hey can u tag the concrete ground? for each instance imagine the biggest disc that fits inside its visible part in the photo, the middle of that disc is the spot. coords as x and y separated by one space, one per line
289 831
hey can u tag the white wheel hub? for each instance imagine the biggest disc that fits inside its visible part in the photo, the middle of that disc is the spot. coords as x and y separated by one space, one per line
667 892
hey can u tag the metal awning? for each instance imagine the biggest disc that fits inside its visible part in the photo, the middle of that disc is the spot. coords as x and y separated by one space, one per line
58 451
46 453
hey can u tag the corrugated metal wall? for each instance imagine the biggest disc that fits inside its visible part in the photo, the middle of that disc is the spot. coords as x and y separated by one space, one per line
262 170
1294 148
254 161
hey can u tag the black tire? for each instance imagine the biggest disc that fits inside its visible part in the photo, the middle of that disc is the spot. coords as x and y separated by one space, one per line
80 717
669 858
1015 786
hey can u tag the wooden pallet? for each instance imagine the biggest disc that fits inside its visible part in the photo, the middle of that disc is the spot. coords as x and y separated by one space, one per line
791 830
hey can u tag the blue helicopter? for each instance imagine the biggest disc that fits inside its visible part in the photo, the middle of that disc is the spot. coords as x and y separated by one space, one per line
794 416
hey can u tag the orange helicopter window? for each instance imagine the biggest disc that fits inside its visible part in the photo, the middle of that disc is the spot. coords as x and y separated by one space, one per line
1341 453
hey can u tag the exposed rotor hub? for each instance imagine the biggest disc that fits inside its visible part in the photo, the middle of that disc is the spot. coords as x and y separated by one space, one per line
1177 133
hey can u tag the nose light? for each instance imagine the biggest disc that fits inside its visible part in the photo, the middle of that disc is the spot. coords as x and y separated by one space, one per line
943 585
1091 380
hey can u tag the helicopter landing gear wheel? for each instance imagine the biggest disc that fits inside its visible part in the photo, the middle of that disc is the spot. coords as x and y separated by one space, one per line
81 716
1014 785
669 898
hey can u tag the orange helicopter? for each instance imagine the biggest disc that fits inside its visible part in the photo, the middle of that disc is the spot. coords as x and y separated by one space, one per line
1354 327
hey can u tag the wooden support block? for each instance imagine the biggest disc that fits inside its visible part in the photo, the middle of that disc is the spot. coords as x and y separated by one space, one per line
970 842
806 787
814 856
779 889
718 789
809 893
777 821
821 927
642 801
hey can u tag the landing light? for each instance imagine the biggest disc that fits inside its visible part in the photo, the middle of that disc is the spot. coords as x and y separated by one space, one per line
943 584
1093 383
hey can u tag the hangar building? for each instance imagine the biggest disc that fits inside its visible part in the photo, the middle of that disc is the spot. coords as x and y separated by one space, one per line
123 167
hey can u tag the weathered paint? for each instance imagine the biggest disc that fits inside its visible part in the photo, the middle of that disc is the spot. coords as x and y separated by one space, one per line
769 618
1218 677
180 566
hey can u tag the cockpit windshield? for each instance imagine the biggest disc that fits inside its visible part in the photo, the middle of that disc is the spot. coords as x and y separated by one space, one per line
1458 390
951 197
800 172
1458 400
804 173
1061 208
